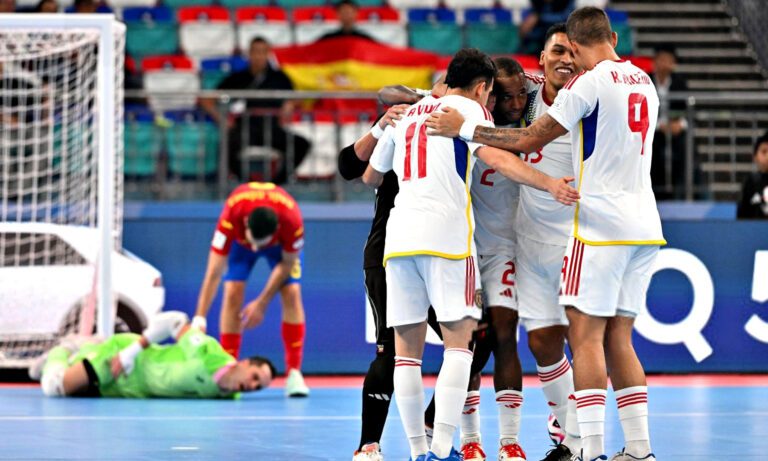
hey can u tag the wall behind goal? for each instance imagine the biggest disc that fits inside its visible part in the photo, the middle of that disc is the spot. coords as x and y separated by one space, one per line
709 308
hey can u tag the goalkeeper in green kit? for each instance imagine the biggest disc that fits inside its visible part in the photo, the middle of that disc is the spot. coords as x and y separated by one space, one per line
134 366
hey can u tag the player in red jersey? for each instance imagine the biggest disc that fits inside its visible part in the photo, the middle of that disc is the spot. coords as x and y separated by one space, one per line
258 220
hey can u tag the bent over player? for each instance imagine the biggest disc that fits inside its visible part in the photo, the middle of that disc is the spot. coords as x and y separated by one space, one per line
609 110
258 220
134 366
429 250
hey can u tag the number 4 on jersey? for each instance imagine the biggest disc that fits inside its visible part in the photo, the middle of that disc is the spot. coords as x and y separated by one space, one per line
638 116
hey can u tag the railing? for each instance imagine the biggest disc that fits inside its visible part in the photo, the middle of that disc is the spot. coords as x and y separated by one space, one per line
752 16
186 164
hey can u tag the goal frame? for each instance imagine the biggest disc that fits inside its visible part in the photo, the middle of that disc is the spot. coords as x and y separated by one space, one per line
105 94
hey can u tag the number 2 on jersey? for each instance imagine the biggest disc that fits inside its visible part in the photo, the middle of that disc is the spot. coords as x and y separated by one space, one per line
638 116
421 150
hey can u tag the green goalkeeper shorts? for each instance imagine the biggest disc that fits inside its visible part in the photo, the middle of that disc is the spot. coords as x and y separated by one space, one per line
100 357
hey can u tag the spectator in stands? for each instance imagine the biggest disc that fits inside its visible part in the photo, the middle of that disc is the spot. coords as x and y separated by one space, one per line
47 6
259 129
86 6
670 129
754 190
347 13
7 6
543 15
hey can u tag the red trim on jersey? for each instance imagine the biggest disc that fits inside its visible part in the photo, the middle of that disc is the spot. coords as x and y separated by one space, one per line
571 266
573 80
544 97
535 78
487 114
469 287
578 269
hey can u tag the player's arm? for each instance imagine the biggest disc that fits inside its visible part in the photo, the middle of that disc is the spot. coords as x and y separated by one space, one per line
381 159
517 170
401 94
451 123
353 159
217 263
253 314
161 327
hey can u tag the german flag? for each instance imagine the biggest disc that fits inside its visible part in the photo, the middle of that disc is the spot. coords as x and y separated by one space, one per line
355 64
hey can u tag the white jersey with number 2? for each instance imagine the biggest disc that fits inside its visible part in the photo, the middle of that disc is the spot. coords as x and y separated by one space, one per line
611 112
433 209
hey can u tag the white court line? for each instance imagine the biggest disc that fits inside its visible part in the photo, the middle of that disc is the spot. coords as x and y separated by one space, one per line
185 448
330 418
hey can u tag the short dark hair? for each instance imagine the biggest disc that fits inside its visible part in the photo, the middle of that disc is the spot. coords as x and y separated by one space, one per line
507 67
262 222
259 360
762 139
341 3
665 48
469 66
558 28
589 26
258 39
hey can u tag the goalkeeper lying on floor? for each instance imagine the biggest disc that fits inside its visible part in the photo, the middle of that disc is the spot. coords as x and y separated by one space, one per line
131 365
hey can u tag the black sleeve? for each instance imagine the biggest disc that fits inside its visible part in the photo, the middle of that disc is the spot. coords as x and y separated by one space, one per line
229 83
284 82
744 210
350 166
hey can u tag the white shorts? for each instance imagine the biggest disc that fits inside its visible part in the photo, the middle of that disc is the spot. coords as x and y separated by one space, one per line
539 270
606 281
416 282
497 273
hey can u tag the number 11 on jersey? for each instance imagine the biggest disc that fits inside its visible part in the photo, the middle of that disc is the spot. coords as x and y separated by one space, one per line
638 116
420 147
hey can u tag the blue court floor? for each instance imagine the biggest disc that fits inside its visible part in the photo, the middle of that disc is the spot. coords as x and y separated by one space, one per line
695 422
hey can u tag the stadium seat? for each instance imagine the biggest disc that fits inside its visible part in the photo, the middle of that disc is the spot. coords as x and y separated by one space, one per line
206 31
466 4
176 4
515 4
122 4
626 44
291 4
193 145
143 145
434 29
244 3
364 3
213 70
312 22
383 24
617 16
150 31
596 3
168 74
269 22
320 162
491 30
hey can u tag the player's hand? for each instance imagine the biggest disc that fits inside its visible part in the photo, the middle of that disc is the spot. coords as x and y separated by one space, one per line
116 366
393 114
562 191
253 314
199 322
446 122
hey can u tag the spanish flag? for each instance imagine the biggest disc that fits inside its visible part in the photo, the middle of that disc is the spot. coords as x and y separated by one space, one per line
356 64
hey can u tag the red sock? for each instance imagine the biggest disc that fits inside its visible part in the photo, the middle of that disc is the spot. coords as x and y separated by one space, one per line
231 343
293 341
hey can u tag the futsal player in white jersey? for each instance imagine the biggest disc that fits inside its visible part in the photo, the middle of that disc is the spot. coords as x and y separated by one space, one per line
609 110
429 250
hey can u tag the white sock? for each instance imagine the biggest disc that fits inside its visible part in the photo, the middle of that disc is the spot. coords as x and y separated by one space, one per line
409 395
633 413
470 417
450 394
572 433
590 410
52 381
510 403
557 384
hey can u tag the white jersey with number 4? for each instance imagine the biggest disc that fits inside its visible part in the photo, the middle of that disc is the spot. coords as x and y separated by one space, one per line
611 112
433 209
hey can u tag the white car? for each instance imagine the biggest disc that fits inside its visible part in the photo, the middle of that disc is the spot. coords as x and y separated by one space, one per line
41 301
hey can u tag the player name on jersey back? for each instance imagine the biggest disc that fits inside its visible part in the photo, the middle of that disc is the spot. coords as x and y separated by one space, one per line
611 112
432 213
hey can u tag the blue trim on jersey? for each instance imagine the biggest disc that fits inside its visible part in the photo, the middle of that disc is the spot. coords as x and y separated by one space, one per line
589 132
241 261
460 150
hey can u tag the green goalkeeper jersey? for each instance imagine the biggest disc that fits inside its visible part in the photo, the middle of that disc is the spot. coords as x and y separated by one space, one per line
185 369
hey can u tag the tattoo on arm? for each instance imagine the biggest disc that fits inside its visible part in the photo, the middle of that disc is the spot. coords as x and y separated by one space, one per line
528 139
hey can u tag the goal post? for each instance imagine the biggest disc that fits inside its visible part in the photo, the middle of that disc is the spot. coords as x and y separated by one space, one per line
61 136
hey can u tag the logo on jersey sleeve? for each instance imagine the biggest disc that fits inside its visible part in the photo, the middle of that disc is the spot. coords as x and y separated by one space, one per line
219 240
298 244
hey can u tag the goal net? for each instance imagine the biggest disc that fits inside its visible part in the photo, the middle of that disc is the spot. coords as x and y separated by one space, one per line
61 133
